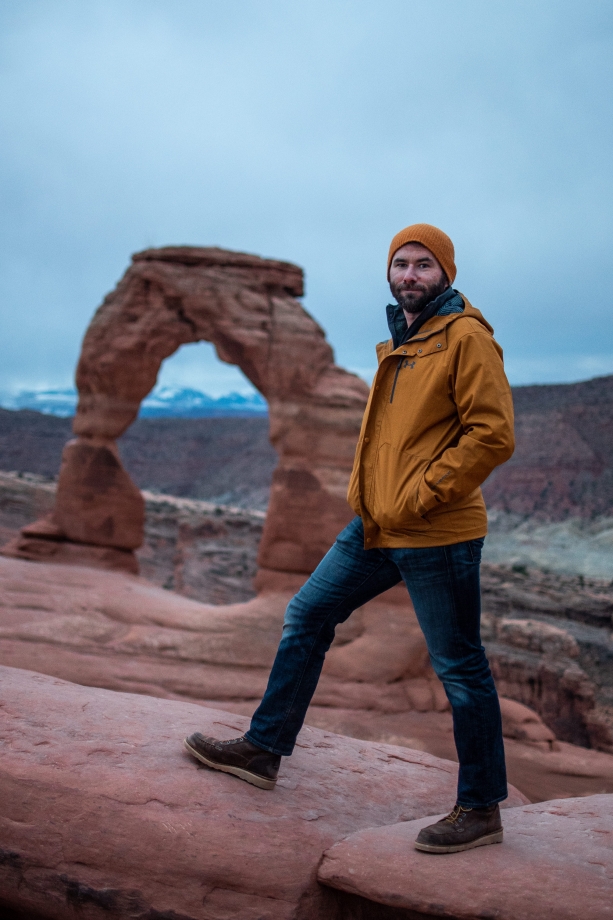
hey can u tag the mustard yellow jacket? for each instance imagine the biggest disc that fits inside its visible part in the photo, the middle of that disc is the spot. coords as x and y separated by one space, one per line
439 418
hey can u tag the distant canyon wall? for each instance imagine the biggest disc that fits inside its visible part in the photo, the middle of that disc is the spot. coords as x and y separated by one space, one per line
562 466
563 461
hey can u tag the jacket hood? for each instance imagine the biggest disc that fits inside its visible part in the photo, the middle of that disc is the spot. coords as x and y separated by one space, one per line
449 305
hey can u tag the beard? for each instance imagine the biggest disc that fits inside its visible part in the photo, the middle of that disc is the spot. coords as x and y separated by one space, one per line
405 293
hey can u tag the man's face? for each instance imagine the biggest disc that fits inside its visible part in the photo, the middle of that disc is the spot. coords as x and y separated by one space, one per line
416 277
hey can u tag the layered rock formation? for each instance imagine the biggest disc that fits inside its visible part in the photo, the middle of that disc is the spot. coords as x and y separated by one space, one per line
561 468
102 814
31 442
195 548
200 550
23 498
229 461
247 308
549 641
562 462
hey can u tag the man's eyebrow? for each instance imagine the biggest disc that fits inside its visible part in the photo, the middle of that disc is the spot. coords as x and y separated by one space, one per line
419 259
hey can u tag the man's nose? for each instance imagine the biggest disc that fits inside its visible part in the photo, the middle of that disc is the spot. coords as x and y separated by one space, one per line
410 273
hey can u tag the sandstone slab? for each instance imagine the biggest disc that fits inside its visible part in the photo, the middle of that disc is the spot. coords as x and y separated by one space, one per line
113 630
541 769
556 862
102 814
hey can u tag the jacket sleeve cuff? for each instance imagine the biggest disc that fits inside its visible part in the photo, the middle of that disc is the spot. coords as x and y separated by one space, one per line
426 499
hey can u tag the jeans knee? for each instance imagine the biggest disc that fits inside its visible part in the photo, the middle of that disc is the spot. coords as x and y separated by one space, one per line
464 675
302 624
295 623
292 616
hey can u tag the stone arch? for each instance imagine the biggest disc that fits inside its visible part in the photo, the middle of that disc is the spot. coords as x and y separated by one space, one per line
247 307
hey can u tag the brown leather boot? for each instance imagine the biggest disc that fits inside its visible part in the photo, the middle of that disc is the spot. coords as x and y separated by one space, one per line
463 829
237 756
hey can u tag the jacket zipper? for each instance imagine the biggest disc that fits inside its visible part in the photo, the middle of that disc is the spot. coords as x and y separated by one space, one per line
399 365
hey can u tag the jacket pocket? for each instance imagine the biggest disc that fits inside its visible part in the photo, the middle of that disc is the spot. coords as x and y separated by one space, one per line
397 478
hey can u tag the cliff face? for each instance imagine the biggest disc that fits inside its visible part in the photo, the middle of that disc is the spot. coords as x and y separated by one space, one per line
563 462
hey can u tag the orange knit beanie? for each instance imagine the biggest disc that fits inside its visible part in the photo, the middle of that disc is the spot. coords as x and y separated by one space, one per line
433 239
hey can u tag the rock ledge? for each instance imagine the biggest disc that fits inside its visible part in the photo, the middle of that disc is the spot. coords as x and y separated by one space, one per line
102 814
556 862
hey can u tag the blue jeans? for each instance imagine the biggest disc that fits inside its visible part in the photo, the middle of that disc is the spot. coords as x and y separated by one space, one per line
443 583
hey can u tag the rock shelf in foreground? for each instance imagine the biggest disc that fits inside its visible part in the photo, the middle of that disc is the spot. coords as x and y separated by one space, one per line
119 632
102 814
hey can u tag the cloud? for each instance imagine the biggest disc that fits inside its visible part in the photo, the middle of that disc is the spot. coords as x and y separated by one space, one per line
310 132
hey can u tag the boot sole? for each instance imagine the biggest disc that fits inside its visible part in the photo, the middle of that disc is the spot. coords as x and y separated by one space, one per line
260 781
496 837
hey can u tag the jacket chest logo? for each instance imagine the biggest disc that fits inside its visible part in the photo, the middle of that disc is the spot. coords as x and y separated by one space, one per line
408 363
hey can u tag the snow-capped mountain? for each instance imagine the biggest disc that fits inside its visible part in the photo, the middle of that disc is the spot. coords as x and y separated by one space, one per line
187 403
51 402
162 402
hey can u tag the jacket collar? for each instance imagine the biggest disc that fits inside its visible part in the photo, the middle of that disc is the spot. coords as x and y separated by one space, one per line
396 319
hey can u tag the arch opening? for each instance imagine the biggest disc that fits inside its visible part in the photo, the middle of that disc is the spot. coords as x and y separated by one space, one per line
196 366
209 426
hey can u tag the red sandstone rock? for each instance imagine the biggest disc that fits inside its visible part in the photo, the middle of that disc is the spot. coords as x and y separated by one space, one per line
103 814
538 637
381 642
120 632
557 688
209 553
49 548
522 723
96 500
556 862
246 306
561 466
542 769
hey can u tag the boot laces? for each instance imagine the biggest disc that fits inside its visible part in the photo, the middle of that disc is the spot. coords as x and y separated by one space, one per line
457 814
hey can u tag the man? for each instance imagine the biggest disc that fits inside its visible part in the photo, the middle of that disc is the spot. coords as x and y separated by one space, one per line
438 420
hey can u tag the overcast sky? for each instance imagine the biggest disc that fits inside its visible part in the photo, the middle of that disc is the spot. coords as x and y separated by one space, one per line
311 132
